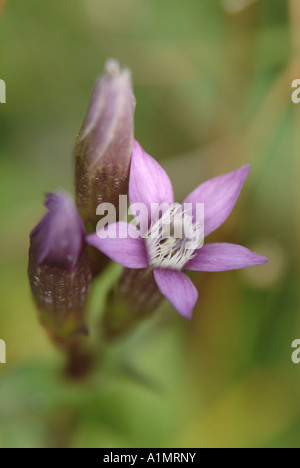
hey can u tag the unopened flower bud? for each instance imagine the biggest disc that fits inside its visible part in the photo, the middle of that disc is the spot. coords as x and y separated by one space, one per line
59 271
136 298
104 145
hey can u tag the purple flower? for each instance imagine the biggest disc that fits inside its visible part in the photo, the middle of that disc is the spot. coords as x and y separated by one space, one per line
59 270
169 256
104 144
59 238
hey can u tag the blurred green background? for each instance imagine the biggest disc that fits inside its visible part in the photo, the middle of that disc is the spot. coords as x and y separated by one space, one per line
213 86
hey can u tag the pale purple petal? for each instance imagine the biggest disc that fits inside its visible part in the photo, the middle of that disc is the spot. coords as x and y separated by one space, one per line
58 239
223 257
178 289
121 245
148 181
219 196
106 135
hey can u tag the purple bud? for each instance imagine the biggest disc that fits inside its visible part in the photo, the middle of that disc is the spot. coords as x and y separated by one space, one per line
104 144
59 271
59 238
135 298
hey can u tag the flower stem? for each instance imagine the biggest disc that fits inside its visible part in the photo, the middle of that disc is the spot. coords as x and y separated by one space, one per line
80 360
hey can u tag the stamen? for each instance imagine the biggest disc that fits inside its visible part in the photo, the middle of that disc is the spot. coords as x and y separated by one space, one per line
172 240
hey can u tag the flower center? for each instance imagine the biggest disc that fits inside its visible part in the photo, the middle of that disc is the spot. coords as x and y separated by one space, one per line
172 240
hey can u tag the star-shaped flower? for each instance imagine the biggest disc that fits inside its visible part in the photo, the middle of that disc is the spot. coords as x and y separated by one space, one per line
159 249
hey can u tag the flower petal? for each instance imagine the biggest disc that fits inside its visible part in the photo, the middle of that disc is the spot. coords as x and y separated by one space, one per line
219 196
223 257
148 181
178 289
58 239
121 245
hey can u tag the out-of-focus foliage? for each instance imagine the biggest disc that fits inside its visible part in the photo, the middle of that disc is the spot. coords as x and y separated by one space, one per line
213 92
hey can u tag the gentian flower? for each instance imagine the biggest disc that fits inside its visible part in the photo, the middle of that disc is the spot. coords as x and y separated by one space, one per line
168 257
59 271
104 145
